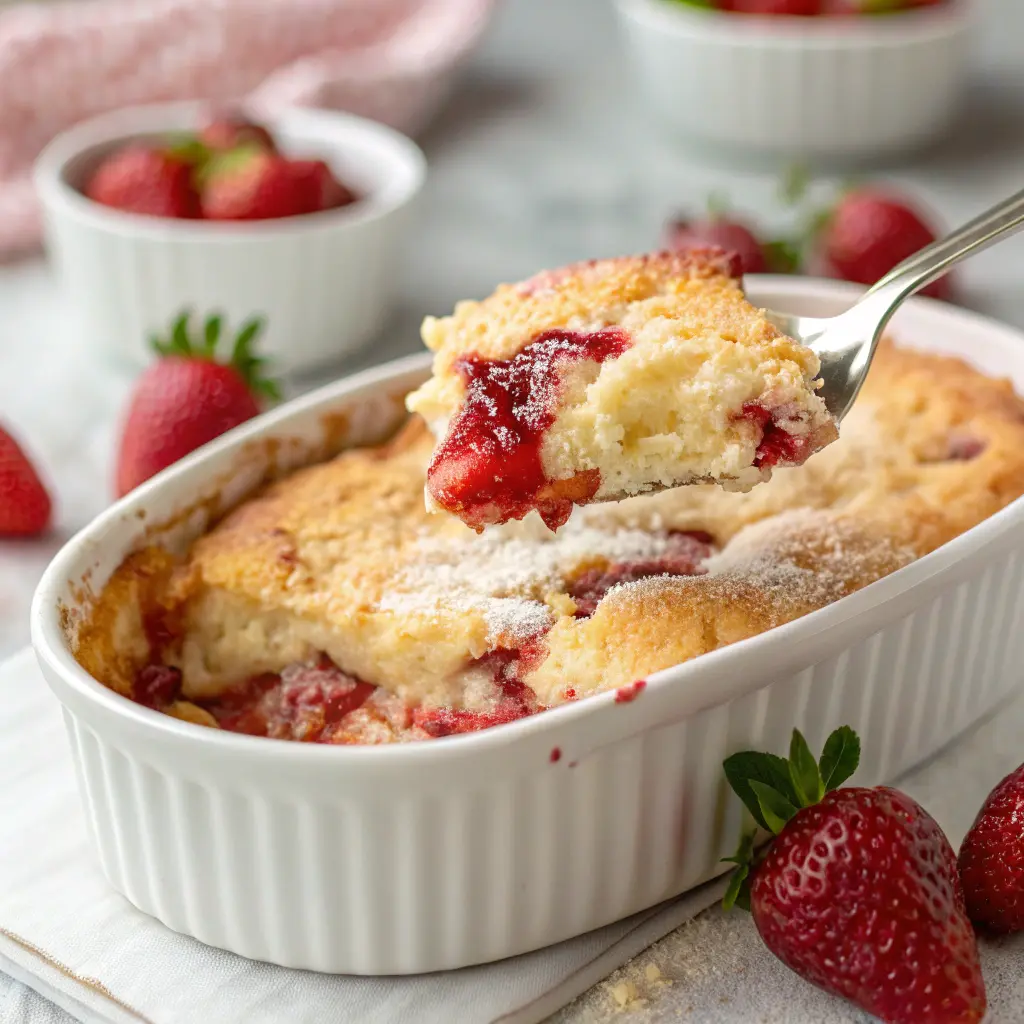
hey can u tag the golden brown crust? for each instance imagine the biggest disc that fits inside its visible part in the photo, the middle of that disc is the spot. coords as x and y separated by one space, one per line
343 557
702 287
114 641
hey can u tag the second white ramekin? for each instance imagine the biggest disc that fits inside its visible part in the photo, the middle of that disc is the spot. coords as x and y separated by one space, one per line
322 282
435 855
836 89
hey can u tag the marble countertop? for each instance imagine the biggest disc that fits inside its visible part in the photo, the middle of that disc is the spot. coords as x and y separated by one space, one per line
543 156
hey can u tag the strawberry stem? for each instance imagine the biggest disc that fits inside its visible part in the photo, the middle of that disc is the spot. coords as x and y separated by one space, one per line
774 789
250 367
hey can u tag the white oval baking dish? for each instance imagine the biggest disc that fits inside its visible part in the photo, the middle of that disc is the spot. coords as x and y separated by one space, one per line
436 855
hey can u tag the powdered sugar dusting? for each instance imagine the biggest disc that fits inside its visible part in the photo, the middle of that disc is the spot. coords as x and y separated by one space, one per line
766 557
505 575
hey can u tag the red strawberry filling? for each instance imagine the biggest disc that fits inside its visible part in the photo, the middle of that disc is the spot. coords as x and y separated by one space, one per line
516 700
963 448
319 703
156 686
488 469
684 557
777 447
299 704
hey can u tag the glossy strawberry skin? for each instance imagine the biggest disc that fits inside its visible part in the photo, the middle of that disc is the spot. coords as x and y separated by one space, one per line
869 233
179 404
729 235
992 859
140 179
25 506
260 186
859 895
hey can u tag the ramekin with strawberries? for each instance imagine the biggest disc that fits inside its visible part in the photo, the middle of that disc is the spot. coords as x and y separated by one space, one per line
153 211
832 80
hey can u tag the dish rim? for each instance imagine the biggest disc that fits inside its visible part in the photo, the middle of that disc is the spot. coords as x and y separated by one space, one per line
712 678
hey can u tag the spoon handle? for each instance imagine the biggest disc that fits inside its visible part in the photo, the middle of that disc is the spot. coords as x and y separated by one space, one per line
919 270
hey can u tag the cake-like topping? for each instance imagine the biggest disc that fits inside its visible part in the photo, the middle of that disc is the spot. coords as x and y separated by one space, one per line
612 378
333 608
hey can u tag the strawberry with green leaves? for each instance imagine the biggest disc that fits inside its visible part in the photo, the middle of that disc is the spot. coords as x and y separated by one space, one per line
189 396
858 891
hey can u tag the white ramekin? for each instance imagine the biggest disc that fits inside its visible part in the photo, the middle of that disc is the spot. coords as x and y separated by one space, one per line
322 281
834 89
435 855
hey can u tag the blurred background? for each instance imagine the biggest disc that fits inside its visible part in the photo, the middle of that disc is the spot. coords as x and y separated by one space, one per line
567 129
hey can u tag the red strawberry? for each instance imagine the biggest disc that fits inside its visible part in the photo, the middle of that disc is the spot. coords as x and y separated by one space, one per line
231 131
869 232
250 184
24 504
992 858
330 191
187 398
802 8
721 233
141 179
859 892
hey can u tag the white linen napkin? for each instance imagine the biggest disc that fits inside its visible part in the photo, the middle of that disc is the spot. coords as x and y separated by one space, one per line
68 935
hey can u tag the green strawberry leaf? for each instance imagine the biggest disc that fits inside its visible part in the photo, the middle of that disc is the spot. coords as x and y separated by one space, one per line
803 771
776 810
794 184
737 894
227 163
211 334
840 757
179 343
186 148
243 341
747 766
782 255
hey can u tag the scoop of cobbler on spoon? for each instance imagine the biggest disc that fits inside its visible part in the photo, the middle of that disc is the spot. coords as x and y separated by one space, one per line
612 378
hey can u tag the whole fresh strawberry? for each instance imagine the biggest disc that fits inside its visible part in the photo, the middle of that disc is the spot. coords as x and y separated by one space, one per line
858 892
251 184
24 504
992 859
229 131
869 232
188 397
144 179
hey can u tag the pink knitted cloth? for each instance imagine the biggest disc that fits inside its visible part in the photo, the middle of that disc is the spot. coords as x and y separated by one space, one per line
60 63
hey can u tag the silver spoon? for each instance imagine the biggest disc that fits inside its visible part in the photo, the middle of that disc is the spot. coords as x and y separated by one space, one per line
845 344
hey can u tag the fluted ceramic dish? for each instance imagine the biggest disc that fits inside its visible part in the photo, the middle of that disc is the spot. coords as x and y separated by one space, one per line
435 855
833 89
322 281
